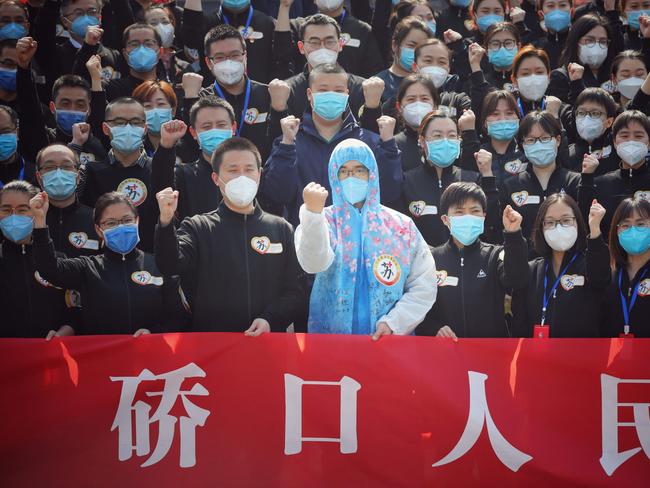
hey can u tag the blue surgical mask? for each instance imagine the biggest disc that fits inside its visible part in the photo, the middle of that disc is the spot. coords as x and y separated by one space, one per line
557 20
143 59
407 58
486 21
502 57
8 145
127 138
12 31
635 240
541 153
65 119
330 105
17 227
460 3
235 4
156 117
59 184
633 18
503 130
443 153
210 139
355 190
432 26
122 239
466 228
8 79
80 24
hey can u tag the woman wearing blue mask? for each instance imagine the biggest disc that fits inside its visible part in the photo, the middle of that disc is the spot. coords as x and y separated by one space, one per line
159 101
442 151
455 17
122 290
627 299
374 272
30 305
408 35
632 11
555 23
15 20
540 136
567 282
12 165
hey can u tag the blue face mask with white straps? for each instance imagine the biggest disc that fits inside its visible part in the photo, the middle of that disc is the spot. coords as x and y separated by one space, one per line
466 228
126 138
59 184
486 21
235 4
122 239
12 31
156 117
443 153
557 20
8 79
541 153
407 58
210 139
634 16
502 57
143 59
329 105
355 190
81 24
17 227
503 130
635 240
65 119
8 145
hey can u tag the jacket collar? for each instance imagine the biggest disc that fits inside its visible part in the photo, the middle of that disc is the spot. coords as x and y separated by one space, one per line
226 213
471 249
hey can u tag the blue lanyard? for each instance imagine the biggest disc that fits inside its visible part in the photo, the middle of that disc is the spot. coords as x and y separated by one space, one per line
248 21
343 18
247 98
557 282
627 310
521 109
21 173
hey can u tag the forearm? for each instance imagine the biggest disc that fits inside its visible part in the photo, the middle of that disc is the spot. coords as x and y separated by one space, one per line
312 240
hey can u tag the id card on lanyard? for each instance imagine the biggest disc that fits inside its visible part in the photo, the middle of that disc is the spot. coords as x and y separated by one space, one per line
248 21
246 100
627 309
542 330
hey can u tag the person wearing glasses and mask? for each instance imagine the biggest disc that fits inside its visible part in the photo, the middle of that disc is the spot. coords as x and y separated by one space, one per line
540 136
567 281
122 290
626 305
374 272
237 263
128 169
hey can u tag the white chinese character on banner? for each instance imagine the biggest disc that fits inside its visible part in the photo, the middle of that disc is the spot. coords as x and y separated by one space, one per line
293 438
479 415
123 421
611 458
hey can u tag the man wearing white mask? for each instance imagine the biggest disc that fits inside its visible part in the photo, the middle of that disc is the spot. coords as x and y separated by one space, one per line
251 288
226 57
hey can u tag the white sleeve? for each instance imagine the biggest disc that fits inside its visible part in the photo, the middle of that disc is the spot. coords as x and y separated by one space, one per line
312 238
419 295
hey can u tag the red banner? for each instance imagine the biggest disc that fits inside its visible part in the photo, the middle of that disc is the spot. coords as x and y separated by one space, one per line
333 411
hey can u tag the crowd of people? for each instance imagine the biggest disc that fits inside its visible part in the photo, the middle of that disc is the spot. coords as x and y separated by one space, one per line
452 168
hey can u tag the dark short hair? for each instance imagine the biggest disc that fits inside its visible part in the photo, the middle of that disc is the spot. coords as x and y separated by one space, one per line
20 186
70 81
39 156
460 192
140 25
408 24
147 88
597 95
492 99
13 115
318 19
405 9
627 54
624 211
539 242
415 78
326 69
108 199
431 42
234 144
475 6
430 117
629 116
529 52
220 33
499 27
210 102
120 101
549 123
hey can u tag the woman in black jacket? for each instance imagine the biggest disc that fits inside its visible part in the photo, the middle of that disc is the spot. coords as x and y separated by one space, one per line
122 291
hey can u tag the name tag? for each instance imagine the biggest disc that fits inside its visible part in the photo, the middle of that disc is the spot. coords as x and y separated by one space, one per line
443 279
420 208
602 153
568 282
80 241
145 278
251 34
263 245
522 198
451 111
350 41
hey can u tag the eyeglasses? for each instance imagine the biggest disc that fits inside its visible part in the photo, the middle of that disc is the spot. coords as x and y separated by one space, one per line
7 210
112 223
234 56
594 114
564 222
53 167
356 172
529 141
591 42
643 225
496 45
120 122
150 43
329 43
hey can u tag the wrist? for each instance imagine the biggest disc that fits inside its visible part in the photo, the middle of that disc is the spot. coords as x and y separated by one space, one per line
594 232
279 107
288 140
475 67
314 210
191 93
165 221
39 223
372 103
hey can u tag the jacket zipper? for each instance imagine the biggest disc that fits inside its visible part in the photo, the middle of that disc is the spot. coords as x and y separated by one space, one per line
462 291
60 229
248 281
128 294
28 290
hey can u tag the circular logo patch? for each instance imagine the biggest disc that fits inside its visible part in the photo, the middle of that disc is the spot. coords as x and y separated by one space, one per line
134 189
387 270
251 116
416 208
141 277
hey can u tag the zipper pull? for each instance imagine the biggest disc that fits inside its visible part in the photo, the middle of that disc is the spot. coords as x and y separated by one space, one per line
440 184
630 171
554 294
462 261
123 258
22 246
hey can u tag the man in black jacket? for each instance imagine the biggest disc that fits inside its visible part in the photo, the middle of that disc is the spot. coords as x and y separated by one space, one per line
237 264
